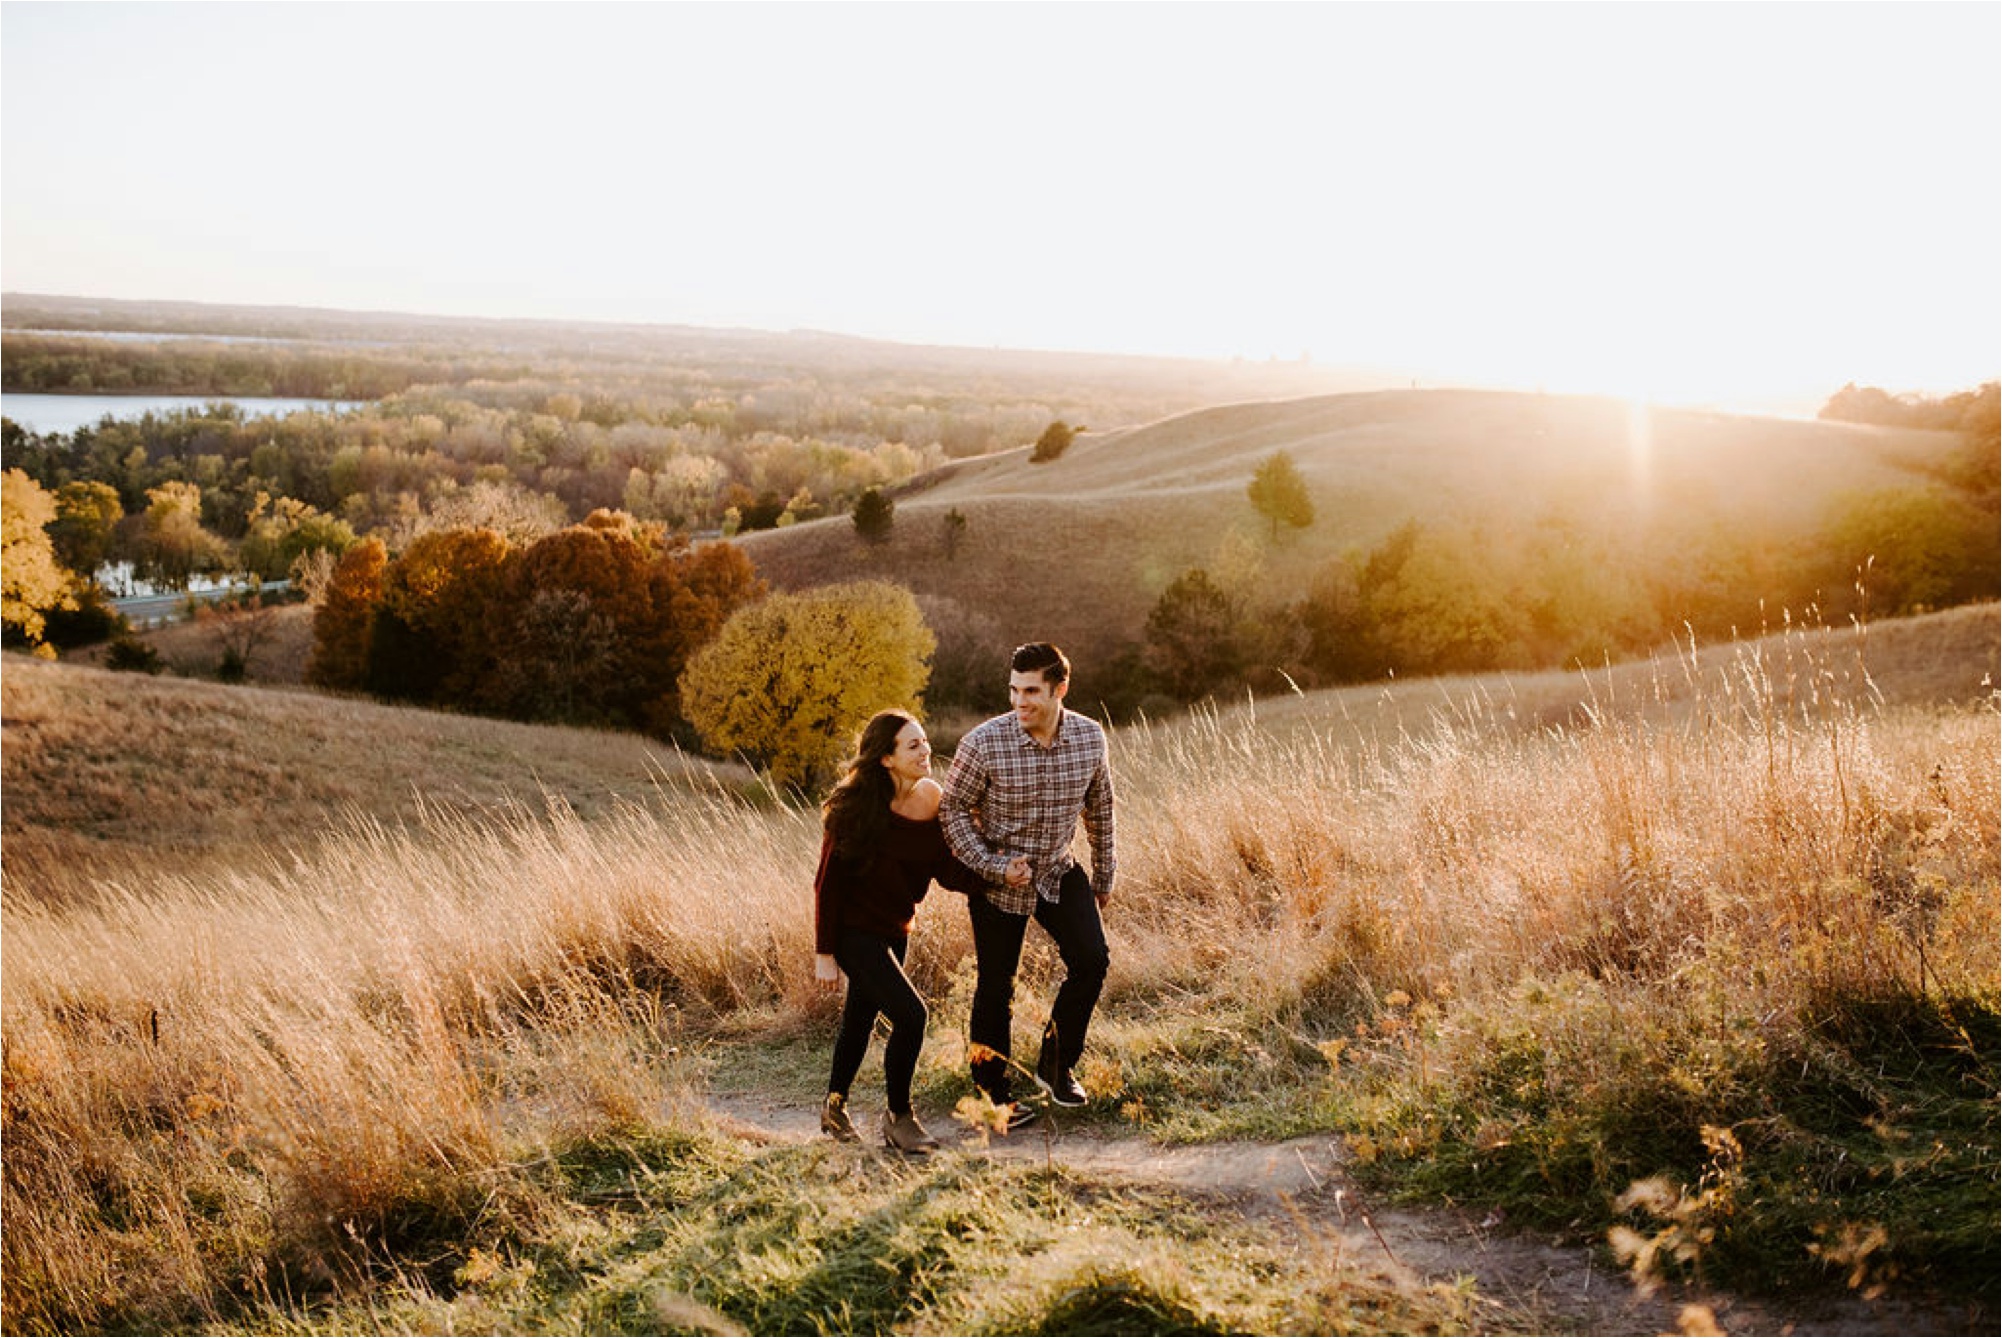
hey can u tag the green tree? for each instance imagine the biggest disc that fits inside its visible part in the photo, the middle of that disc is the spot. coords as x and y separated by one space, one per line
32 582
788 681
284 529
1279 494
1056 439
87 516
1913 549
1192 637
875 516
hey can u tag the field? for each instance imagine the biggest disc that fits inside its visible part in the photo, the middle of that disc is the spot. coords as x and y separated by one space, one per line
323 1016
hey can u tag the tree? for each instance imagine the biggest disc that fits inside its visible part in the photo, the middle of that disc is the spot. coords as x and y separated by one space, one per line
788 681
1279 494
952 532
173 546
87 516
1056 439
440 600
32 582
602 574
875 516
283 530
344 623
695 589
1192 637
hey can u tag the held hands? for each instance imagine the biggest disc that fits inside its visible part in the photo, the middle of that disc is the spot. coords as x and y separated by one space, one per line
826 973
1018 872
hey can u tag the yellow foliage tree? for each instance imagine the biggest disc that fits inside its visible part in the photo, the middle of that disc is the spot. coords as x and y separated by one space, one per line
31 581
788 681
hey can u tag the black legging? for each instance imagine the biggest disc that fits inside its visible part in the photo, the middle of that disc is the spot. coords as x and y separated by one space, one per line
877 984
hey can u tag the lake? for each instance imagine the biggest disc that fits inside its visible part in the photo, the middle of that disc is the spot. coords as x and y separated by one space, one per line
67 413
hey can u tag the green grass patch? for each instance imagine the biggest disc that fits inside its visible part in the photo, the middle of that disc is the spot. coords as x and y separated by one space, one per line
678 1232
1861 1147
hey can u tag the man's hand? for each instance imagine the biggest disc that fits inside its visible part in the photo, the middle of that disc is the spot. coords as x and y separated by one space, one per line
826 973
1019 873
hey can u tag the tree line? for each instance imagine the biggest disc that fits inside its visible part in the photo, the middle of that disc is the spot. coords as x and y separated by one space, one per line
590 625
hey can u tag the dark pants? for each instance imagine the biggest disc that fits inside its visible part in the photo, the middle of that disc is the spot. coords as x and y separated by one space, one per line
997 945
877 984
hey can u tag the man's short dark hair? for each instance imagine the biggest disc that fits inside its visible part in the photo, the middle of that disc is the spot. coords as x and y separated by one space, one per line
1043 658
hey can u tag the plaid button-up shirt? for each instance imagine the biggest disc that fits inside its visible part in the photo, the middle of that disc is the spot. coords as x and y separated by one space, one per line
1007 795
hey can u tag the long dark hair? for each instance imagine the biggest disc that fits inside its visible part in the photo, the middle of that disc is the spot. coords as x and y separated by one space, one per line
857 811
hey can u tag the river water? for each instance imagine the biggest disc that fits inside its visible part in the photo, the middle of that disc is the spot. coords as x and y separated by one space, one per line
67 413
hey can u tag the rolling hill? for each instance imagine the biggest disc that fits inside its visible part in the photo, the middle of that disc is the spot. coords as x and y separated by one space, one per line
1077 550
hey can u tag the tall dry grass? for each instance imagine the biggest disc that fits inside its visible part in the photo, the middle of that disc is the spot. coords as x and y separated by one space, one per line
1775 807
227 1090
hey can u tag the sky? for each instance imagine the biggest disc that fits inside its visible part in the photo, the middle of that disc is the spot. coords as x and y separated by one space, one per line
1732 204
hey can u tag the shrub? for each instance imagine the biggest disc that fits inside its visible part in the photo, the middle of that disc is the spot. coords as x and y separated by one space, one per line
128 654
1056 439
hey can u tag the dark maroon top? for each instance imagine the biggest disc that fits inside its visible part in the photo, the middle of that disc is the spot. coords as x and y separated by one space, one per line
879 893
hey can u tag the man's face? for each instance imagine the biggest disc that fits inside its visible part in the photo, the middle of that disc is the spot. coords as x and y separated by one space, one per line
1035 700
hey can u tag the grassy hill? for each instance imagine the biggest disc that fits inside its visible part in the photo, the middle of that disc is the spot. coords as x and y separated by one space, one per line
106 774
1077 550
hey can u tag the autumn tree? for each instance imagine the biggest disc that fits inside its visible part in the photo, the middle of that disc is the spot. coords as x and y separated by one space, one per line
587 582
173 546
789 680
32 582
694 589
875 516
343 623
440 601
1279 494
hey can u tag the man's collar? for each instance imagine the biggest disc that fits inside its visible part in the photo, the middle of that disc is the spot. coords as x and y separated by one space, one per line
1030 739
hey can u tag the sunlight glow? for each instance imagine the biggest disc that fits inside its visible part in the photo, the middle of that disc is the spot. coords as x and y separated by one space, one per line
1365 184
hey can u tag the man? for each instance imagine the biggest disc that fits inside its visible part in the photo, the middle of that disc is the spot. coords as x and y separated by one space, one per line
1018 785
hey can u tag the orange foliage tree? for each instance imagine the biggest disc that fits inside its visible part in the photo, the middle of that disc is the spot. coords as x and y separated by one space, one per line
346 617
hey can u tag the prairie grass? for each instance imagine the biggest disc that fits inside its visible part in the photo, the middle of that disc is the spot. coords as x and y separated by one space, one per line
1707 970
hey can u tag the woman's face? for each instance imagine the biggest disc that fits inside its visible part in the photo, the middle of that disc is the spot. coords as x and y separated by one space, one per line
910 761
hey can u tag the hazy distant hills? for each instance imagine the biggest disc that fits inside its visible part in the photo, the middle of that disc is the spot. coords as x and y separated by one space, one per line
1078 549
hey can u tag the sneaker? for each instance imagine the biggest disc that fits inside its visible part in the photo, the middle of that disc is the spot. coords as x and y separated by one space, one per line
834 1119
905 1134
1054 1078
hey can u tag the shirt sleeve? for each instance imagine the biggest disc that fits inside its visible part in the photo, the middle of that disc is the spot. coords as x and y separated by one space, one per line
826 899
965 787
1098 826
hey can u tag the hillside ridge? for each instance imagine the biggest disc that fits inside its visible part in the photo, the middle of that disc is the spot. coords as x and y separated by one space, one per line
1107 526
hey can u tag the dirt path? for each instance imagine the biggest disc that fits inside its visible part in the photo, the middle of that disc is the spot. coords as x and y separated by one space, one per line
1531 1284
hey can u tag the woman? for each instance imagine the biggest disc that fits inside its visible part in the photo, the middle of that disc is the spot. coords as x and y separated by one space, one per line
880 849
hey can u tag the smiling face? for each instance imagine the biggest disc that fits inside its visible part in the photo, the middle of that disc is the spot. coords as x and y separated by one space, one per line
1036 701
910 761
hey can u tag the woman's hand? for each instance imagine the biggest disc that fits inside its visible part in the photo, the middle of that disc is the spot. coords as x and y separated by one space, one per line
826 972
